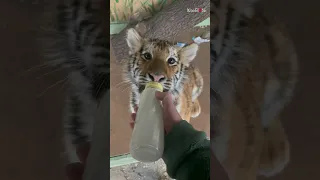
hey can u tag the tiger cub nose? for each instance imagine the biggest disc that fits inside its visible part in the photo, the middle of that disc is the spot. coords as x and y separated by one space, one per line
156 77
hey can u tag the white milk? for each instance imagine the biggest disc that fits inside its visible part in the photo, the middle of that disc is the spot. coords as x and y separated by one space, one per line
147 139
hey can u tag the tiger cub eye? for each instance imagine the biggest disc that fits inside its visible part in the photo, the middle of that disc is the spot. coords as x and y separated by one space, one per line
147 56
171 61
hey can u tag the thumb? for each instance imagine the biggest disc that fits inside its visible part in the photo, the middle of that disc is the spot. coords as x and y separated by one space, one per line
163 96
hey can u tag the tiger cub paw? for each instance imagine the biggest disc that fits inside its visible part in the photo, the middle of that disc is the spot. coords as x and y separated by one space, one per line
276 151
196 109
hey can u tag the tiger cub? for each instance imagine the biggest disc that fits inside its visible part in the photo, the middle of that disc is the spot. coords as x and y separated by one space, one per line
164 62
254 71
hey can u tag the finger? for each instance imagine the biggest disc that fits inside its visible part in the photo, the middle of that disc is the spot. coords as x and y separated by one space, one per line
131 125
74 171
163 96
160 95
83 151
166 99
133 117
136 109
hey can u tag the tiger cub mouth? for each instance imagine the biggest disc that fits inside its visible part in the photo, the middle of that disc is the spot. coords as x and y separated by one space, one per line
142 87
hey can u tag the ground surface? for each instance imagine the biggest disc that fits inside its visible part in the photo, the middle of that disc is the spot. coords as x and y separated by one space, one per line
30 130
140 171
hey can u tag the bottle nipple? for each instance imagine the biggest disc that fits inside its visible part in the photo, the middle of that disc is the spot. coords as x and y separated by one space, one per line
155 85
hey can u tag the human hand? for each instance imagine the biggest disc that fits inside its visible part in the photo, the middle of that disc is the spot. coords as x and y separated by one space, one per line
170 113
74 171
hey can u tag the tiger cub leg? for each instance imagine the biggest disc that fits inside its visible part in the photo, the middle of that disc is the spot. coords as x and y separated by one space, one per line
276 150
196 91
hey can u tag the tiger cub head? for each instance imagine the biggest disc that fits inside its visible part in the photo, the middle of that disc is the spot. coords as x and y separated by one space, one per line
157 60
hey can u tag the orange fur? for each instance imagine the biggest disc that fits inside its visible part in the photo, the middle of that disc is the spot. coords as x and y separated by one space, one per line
185 80
191 108
252 140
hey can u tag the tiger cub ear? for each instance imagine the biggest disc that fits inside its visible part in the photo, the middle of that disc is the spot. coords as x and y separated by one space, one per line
134 41
188 53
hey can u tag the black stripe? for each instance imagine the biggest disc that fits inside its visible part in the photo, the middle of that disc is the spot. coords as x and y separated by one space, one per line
76 5
216 3
134 61
77 40
62 17
141 50
273 51
85 73
101 54
104 65
92 28
243 23
129 67
216 97
75 124
81 31
213 53
135 71
180 72
213 58
88 7
229 17
133 99
100 84
216 31
83 24
87 34
101 41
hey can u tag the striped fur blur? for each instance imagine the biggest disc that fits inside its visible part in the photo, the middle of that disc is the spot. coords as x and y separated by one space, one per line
79 44
254 70
164 62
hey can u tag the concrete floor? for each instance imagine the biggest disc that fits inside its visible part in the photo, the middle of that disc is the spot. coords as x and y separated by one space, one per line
140 171
31 132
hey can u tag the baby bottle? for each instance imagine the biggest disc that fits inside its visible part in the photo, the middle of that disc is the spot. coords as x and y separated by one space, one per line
147 141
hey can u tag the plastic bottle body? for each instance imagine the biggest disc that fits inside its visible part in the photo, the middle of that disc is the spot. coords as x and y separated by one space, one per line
147 141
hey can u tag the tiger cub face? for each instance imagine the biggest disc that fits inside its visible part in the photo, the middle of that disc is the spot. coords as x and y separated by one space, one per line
157 60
